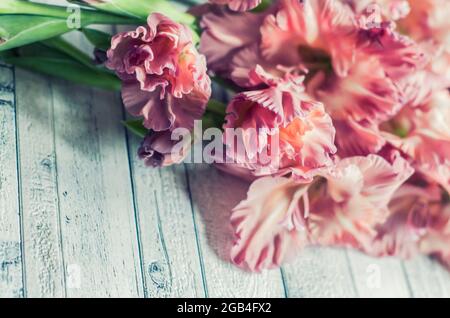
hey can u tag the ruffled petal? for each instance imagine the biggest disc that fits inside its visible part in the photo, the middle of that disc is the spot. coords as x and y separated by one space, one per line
353 198
225 34
160 67
428 140
266 224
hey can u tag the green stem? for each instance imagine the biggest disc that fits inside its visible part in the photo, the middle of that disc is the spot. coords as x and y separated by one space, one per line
216 107
65 47
13 7
225 83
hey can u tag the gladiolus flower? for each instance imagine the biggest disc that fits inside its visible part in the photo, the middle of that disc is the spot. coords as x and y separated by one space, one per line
161 149
425 137
225 34
164 77
409 213
353 198
264 223
302 130
341 206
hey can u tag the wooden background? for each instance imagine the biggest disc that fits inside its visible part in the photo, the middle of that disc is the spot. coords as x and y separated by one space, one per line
81 217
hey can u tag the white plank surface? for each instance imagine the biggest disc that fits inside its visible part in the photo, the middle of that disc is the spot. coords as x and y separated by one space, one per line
214 195
320 272
44 266
375 277
11 279
427 278
98 228
168 239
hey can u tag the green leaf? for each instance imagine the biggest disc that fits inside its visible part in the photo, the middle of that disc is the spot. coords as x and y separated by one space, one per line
136 127
19 30
68 49
101 40
67 69
216 107
23 22
139 8
22 7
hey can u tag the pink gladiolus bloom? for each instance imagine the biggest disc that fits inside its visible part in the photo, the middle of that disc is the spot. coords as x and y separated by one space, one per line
312 28
164 77
281 110
407 226
425 137
266 223
238 5
159 149
353 199
341 206
225 34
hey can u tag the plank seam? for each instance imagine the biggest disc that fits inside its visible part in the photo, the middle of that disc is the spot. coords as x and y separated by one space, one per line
163 242
194 219
58 198
283 281
19 188
408 282
136 211
352 274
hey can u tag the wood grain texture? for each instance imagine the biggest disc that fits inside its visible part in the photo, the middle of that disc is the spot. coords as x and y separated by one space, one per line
320 272
11 279
427 279
98 228
375 277
41 223
214 195
168 239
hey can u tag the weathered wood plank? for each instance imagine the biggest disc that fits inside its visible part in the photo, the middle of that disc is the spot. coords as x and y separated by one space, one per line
98 226
44 266
378 277
11 280
214 195
320 272
168 240
427 278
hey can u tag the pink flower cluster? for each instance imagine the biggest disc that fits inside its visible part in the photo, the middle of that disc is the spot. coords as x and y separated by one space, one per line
363 113
355 92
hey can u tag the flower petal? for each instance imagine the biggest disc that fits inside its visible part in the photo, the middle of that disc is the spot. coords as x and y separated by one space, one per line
266 223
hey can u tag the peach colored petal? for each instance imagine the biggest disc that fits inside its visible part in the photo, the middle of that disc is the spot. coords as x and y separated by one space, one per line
428 140
267 224
283 114
352 199
325 25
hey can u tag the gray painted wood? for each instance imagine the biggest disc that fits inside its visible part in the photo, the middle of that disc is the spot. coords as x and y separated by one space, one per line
96 207
320 272
214 195
375 277
427 278
44 266
11 280
168 240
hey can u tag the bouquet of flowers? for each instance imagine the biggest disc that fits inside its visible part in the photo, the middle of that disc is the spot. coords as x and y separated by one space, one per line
338 111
